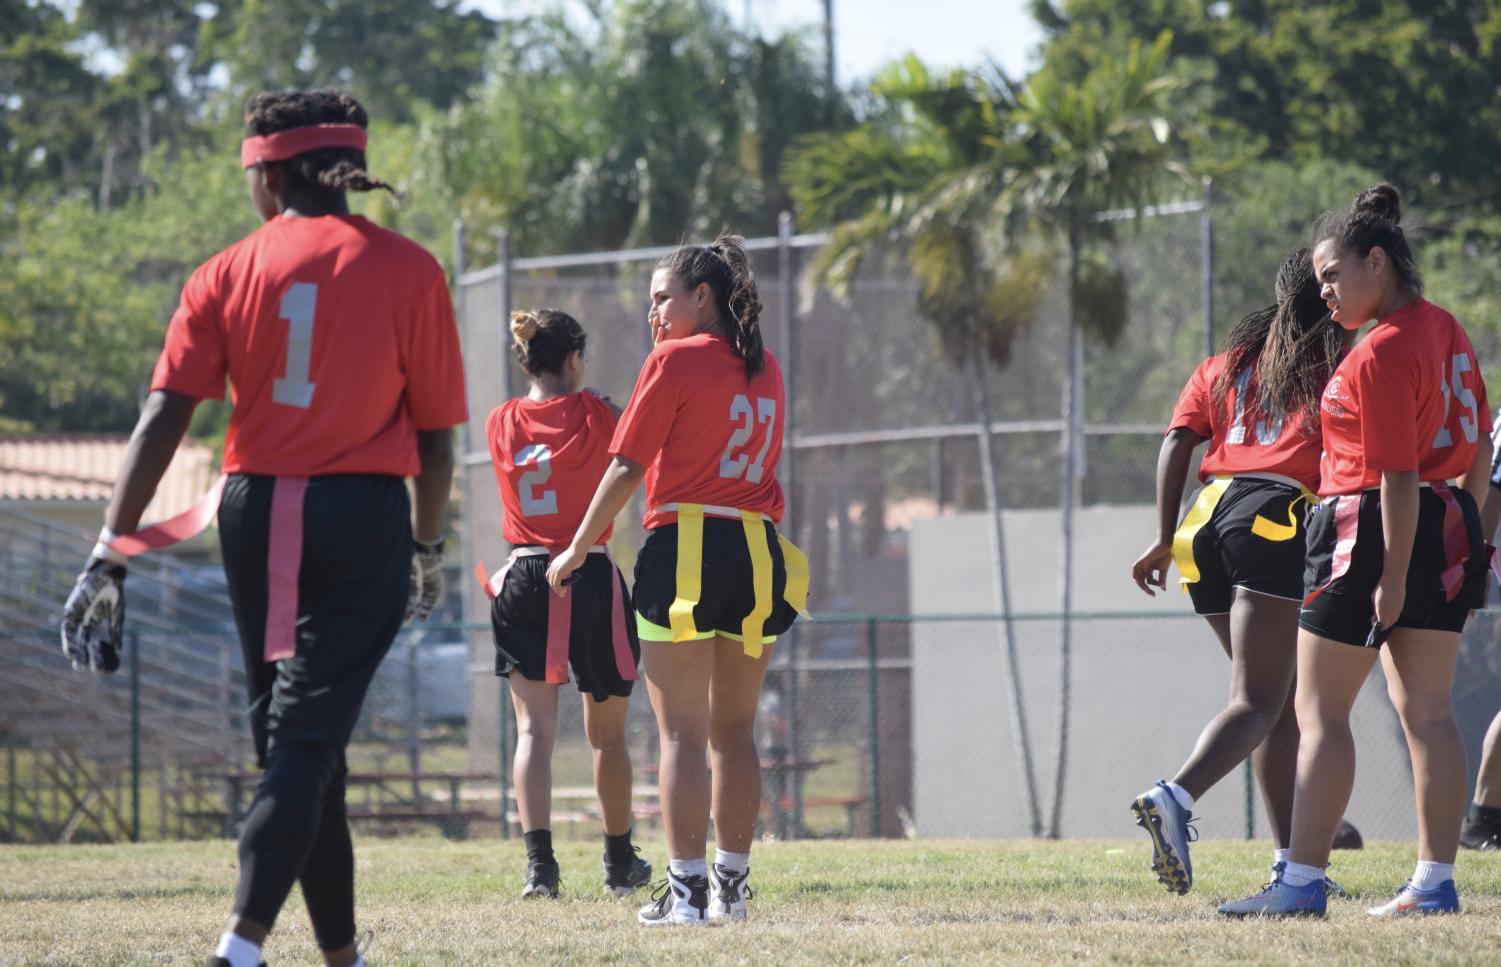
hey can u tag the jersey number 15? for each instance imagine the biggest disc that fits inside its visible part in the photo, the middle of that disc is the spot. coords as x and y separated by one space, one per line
1464 396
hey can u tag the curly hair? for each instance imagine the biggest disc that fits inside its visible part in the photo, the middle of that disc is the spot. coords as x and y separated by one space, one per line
1291 349
724 265
332 169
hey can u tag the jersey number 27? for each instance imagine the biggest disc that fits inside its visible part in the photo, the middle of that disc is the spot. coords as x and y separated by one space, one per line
737 462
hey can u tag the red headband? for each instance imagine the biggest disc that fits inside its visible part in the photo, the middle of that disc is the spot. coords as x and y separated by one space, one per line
295 141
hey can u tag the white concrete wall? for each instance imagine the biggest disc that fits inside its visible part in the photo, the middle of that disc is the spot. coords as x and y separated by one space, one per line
1144 686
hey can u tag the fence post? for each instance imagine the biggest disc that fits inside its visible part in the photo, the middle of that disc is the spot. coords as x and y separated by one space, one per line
794 751
505 784
135 737
1206 258
503 263
1250 786
10 788
414 717
787 356
873 686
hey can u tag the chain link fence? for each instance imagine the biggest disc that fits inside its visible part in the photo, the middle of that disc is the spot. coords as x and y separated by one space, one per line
873 721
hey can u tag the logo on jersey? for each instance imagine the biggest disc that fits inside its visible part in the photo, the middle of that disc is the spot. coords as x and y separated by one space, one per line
1335 396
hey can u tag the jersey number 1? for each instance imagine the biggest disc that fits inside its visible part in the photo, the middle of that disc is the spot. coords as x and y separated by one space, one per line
735 465
297 306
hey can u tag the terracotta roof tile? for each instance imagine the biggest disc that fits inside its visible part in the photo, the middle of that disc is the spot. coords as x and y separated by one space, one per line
82 467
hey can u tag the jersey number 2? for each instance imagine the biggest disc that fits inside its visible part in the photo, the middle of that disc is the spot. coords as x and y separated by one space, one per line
297 307
735 465
534 504
1462 394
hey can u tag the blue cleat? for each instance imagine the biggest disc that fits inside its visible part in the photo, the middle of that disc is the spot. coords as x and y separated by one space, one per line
1410 901
1167 823
1277 899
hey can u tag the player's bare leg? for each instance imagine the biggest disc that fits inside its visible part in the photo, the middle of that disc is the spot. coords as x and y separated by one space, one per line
536 705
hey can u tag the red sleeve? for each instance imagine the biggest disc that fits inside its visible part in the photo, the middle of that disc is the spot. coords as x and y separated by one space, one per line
194 361
1487 425
1194 403
1388 411
434 362
643 427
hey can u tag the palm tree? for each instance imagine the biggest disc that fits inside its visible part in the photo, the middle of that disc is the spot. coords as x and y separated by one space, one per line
1089 145
976 182
924 180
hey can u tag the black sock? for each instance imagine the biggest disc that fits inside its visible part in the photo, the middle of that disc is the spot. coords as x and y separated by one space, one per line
618 849
539 846
1485 814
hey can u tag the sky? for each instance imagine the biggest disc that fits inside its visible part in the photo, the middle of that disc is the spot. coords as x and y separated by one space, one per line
871 33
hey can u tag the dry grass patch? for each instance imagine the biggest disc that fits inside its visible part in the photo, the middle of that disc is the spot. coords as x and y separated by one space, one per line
425 901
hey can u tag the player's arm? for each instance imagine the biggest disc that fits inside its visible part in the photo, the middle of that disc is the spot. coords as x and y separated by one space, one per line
1477 479
1173 460
430 490
432 485
1399 526
93 625
153 443
614 491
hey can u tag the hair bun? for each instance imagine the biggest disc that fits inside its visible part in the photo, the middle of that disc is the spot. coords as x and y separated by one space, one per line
523 326
1381 200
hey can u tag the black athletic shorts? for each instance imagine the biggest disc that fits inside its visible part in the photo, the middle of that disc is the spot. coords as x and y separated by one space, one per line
727 592
519 614
351 596
1343 611
1232 550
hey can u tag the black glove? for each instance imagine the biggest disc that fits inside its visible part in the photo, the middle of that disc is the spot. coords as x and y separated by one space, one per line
427 580
93 629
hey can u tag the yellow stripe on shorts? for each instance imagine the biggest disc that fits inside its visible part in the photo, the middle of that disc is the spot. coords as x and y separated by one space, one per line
760 555
1198 515
690 572
796 563
1273 531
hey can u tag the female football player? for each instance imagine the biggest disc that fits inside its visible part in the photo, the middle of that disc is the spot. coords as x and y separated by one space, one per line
549 449
1240 548
339 344
715 583
1395 556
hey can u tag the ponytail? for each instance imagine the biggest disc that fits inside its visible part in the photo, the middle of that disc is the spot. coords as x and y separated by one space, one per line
724 266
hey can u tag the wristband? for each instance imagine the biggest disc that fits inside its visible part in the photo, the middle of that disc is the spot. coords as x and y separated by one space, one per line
104 552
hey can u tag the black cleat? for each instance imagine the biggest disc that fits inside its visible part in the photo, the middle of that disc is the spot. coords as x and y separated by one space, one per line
543 880
1482 829
623 880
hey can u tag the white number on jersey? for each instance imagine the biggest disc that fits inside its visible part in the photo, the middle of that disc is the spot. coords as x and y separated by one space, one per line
534 504
297 307
1469 426
1265 435
737 463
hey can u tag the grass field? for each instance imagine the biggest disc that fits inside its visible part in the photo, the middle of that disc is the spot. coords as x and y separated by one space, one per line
426 901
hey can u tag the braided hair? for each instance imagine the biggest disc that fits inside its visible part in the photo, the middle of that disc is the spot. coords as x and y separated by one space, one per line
725 267
1373 219
1291 349
543 339
331 169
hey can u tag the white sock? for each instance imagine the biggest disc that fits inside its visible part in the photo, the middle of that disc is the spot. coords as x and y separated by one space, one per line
238 951
734 862
1279 856
1429 875
1180 794
359 961
1300 874
681 868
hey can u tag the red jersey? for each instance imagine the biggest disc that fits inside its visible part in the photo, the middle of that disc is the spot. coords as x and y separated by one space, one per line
1243 444
705 433
549 457
1409 396
339 342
